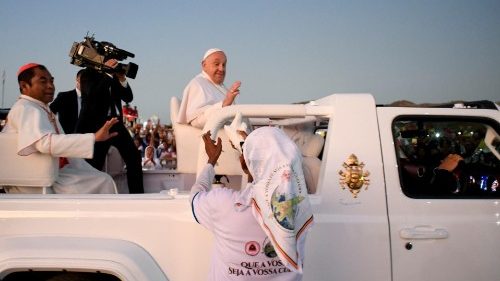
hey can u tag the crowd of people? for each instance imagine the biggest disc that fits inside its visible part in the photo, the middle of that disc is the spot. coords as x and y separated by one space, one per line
155 142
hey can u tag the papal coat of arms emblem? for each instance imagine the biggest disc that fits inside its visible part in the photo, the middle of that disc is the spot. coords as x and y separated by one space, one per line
353 176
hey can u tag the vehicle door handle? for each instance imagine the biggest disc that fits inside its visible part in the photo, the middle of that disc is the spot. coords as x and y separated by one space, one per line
423 232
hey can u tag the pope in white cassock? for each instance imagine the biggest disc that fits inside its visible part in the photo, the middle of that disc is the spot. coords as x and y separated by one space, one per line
38 131
206 92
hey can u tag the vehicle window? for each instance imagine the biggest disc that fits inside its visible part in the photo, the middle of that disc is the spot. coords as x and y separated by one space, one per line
421 145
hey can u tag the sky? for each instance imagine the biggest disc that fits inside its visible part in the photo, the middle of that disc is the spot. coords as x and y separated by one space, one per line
283 51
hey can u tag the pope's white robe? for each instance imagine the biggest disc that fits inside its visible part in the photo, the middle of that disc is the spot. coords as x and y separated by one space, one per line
201 98
31 120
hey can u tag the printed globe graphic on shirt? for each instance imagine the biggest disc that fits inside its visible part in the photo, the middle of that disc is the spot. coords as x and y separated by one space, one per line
269 249
283 204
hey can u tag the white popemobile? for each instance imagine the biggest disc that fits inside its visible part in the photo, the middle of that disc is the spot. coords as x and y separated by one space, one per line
370 172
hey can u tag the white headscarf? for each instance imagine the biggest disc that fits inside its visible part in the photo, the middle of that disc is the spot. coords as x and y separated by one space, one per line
278 195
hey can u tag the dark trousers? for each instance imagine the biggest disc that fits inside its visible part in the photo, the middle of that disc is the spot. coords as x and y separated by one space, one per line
125 145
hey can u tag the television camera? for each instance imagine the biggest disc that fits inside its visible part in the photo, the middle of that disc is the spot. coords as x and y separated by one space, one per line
92 53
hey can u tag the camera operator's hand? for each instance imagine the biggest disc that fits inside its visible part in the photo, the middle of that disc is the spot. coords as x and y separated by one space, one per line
112 63
103 133
120 76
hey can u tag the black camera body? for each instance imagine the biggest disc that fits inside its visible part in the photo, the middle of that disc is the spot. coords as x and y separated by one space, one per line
92 53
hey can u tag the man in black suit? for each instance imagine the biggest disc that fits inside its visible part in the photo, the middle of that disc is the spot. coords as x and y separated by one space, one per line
102 96
67 106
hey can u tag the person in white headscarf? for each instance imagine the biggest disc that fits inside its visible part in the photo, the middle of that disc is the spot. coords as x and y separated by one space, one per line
260 230
206 92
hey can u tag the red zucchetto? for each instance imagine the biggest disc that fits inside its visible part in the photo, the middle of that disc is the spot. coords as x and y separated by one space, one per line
26 67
